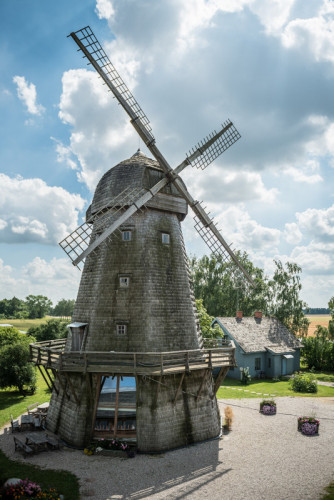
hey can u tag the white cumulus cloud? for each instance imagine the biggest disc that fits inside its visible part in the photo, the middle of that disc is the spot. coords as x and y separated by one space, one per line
27 94
32 211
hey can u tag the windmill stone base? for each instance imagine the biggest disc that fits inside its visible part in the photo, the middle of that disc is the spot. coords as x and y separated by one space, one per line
163 421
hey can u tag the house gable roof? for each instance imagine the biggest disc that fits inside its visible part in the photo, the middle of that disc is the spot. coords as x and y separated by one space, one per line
256 335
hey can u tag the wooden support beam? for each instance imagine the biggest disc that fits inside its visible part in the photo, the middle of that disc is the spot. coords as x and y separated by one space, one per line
51 380
205 375
58 378
116 405
221 375
89 385
179 388
45 380
158 390
72 390
98 390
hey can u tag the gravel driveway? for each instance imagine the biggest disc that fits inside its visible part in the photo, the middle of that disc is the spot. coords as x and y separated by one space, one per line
262 457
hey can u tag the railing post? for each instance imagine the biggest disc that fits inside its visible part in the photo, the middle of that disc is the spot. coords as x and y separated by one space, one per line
162 363
210 359
134 361
49 358
187 362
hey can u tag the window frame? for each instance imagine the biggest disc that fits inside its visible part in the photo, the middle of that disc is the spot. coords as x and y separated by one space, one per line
125 283
257 364
166 236
119 328
124 232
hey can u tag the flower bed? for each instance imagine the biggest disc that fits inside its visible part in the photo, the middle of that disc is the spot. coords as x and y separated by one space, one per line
27 489
268 407
113 447
308 425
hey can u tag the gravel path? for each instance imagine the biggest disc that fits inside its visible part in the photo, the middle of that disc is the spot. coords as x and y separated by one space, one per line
262 457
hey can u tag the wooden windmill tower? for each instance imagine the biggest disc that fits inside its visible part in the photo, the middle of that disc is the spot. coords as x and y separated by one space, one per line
134 365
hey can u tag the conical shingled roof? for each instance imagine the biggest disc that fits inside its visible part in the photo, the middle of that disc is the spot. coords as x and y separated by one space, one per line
137 172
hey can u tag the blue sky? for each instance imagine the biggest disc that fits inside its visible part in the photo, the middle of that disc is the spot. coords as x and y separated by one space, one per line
191 64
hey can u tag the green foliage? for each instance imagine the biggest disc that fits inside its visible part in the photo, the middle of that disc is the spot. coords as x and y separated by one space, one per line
318 351
38 306
9 335
303 383
51 330
283 299
245 376
13 308
65 482
64 308
16 370
222 290
205 321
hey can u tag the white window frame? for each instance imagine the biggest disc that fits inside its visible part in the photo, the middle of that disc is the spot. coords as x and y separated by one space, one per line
126 235
121 329
165 238
124 281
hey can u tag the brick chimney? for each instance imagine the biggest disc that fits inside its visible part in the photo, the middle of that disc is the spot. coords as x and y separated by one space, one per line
239 314
258 315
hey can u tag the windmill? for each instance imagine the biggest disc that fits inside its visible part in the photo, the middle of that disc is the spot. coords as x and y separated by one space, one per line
134 362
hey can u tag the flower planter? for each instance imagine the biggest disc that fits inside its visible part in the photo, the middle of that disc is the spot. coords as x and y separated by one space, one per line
308 426
268 410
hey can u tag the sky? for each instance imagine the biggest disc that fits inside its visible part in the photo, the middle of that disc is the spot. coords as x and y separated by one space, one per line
191 64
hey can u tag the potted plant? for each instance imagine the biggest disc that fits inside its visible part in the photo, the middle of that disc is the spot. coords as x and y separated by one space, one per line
308 425
268 407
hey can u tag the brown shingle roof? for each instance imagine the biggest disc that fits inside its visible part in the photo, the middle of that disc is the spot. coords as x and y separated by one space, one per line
254 335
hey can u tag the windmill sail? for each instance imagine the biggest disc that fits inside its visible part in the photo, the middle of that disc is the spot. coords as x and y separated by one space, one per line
202 155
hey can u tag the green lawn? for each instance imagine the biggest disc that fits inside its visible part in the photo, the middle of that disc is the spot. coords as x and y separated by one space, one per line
24 324
233 389
13 403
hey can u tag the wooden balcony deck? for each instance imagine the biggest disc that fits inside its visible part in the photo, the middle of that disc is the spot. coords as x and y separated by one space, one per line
52 355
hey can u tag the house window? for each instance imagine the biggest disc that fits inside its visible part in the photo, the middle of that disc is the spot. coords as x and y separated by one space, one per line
269 362
257 363
121 329
126 235
165 238
124 281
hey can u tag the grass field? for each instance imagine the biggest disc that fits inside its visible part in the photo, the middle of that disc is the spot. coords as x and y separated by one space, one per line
321 319
13 403
24 324
233 389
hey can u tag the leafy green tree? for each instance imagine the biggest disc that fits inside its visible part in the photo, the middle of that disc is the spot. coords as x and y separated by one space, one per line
331 321
64 308
38 306
318 351
51 330
10 336
222 288
284 302
205 321
13 308
16 370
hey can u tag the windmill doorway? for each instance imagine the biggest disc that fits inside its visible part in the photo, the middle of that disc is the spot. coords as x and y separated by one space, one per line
116 408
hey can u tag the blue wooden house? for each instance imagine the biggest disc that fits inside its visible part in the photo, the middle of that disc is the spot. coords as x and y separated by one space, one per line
264 345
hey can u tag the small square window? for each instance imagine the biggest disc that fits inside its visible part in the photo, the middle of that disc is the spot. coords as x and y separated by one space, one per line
126 235
124 281
121 330
165 238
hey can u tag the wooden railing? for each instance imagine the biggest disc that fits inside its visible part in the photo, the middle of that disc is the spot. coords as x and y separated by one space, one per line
51 354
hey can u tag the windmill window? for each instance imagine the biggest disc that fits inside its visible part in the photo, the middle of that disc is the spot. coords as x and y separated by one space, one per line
126 235
165 238
121 329
124 281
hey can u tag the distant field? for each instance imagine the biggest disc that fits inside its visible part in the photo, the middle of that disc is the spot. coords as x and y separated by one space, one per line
320 319
24 324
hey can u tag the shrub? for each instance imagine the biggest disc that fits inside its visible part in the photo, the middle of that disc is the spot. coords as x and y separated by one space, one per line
16 369
51 330
303 383
245 376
